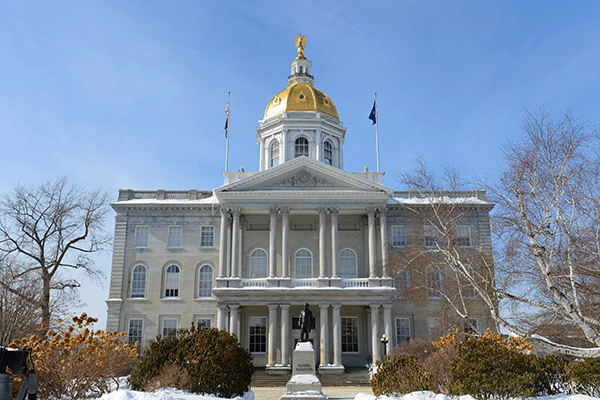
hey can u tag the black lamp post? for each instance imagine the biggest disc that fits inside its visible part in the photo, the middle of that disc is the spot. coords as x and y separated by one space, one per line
384 341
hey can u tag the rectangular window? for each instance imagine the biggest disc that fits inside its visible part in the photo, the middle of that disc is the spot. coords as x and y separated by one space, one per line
204 323
174 236
207 236
134 334
258 335
463 236
398 236
403 279
141 236
430 236
350 335
402 330
169 326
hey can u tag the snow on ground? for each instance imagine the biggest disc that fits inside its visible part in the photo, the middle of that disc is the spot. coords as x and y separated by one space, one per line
164 394
174 394
432 396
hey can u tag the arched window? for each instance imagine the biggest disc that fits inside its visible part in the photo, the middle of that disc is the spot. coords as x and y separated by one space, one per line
138 282
172 281
328 152
301 148
303 264
348 264
434 281
258 264
274 153
205 281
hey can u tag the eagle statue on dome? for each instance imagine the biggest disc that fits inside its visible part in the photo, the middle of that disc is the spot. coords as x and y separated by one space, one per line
301 44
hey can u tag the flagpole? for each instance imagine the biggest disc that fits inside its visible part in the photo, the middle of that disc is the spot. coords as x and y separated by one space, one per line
377 131
227 133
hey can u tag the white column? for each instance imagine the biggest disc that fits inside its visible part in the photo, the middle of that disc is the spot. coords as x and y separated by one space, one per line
322 266
375 339
285 230
337 335
222 316
334 243
384 246
324 345
223 243
272 339
285 334
371 215
234 243
228 271
239 246
387 325
273 243
234 317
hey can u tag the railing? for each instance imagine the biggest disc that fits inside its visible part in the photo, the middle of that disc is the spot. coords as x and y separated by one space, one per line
355 283
129 194
259 282
311 282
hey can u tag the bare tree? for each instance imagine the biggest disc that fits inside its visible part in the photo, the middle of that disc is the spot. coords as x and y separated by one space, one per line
49 233
547 225
445 263
546 230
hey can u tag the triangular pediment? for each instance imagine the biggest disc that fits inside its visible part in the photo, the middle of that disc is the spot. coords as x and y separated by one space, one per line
303 174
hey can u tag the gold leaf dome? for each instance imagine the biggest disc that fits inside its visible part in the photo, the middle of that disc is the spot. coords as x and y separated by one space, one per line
300 97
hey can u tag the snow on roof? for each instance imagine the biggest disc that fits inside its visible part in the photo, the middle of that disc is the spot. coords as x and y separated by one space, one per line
437 200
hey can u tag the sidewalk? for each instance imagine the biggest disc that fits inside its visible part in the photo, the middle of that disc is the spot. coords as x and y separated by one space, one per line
334 392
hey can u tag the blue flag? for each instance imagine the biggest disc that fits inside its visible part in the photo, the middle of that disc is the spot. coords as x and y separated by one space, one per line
373 115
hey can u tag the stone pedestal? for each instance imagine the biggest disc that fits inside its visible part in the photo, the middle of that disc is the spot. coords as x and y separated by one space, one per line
304 383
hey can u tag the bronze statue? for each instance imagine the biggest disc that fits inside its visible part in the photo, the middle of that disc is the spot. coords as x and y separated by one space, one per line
305 323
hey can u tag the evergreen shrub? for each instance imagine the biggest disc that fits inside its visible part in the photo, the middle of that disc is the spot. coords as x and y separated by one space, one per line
488 367
400 375
586 377
214 360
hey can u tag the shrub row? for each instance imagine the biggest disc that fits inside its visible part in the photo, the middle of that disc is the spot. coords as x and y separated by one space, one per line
484 367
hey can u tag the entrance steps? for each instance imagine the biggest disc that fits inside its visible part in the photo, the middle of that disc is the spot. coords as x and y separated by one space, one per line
354 376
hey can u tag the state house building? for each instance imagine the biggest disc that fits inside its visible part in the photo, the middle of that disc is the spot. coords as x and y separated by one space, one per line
247 256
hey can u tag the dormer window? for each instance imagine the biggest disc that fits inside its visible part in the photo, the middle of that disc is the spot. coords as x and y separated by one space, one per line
327 153
274 153
301 147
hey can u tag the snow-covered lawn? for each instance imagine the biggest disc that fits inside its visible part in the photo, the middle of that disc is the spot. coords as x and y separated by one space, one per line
174 394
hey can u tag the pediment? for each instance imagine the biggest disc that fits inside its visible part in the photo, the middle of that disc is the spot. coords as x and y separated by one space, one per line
303 174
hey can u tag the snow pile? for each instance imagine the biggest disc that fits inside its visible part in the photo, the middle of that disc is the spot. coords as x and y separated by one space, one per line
432 396
165 394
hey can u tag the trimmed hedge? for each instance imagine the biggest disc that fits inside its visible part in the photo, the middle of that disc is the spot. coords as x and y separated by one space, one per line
214 360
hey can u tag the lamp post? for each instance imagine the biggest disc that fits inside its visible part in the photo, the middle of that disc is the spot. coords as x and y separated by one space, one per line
384 341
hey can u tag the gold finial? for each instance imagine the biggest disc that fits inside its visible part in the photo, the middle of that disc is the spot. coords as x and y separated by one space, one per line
300 44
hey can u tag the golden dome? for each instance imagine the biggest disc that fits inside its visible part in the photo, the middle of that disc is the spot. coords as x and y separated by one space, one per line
301 97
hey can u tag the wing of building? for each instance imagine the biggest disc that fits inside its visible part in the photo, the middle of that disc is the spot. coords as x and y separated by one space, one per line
247 256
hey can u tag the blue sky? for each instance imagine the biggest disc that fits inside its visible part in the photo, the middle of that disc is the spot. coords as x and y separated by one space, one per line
132 94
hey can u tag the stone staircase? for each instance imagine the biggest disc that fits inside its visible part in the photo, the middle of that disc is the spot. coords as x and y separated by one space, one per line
352 377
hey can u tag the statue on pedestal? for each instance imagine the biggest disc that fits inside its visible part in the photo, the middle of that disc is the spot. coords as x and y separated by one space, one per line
305 323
